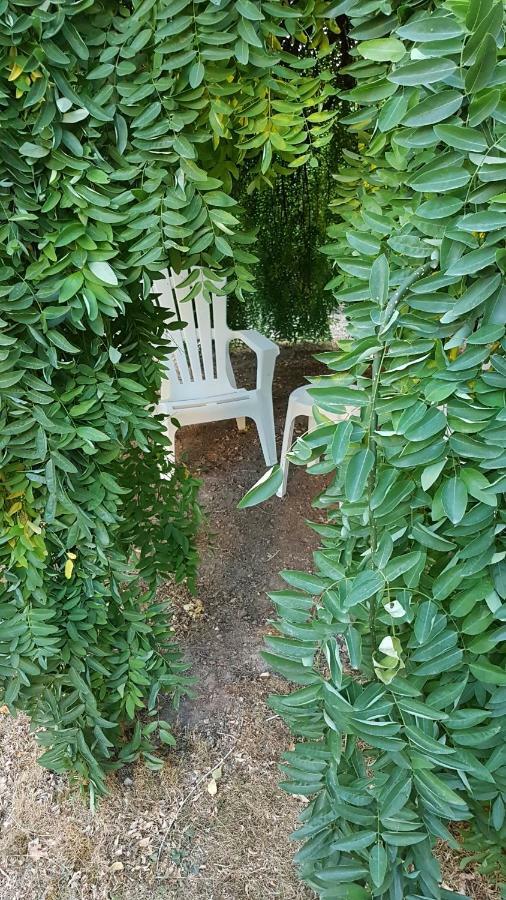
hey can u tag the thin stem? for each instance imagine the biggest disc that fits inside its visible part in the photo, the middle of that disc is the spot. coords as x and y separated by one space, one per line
377 364
406 284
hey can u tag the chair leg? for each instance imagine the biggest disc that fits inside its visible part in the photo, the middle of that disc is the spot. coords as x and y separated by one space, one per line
287 443
170 431
266 432
241 421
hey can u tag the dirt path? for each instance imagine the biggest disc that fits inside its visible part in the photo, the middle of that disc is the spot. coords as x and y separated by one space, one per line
244 550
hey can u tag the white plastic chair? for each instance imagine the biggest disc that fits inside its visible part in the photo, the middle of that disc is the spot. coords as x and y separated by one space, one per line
201 386
300 403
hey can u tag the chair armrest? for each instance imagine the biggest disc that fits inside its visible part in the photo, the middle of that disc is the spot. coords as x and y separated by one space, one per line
266 353
255 341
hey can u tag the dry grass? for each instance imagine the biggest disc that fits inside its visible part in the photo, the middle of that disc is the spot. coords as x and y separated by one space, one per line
465 878
163 836
142 843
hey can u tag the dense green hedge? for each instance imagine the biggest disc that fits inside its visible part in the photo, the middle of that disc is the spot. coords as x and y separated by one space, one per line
290 218
122 126
396 641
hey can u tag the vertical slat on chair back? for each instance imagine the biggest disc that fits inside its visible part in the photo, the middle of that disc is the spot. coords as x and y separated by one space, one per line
176 362
186 311
220 334
198 366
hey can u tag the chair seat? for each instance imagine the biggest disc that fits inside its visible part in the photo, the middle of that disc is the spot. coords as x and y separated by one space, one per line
196 402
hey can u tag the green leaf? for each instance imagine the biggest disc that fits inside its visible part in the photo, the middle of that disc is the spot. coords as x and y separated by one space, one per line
248 33
92 434
392 111
264 488
379 280
103 271
428 538
249 10
454 498
476 11
196 74
364 586
479 74
488 220
434 109
488 672
336 398
479 291
354 842
357 473
436 789
424 621
70 286
345 874
473 262
382 50
59 340
8 379
462 138
313 584
341 441
33 151
431 474
482 105
437 179
433 422
435 26
69 233
403 839
420 710
102 71
423 71
378 864
121 130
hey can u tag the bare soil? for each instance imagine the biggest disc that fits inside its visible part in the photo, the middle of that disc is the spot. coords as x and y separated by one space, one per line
243 550
214 824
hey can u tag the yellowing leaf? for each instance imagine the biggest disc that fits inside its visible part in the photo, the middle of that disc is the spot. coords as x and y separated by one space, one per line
69 568
15 72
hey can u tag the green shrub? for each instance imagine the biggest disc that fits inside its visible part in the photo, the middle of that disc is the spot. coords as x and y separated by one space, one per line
290 218
121 127
396 642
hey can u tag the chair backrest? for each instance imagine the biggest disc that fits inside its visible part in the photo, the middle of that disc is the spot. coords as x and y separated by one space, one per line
199 366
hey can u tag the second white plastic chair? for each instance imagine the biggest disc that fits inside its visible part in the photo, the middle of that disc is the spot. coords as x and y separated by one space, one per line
300 403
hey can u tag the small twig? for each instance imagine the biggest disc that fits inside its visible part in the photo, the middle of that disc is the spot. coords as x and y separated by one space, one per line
272 555
190 794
